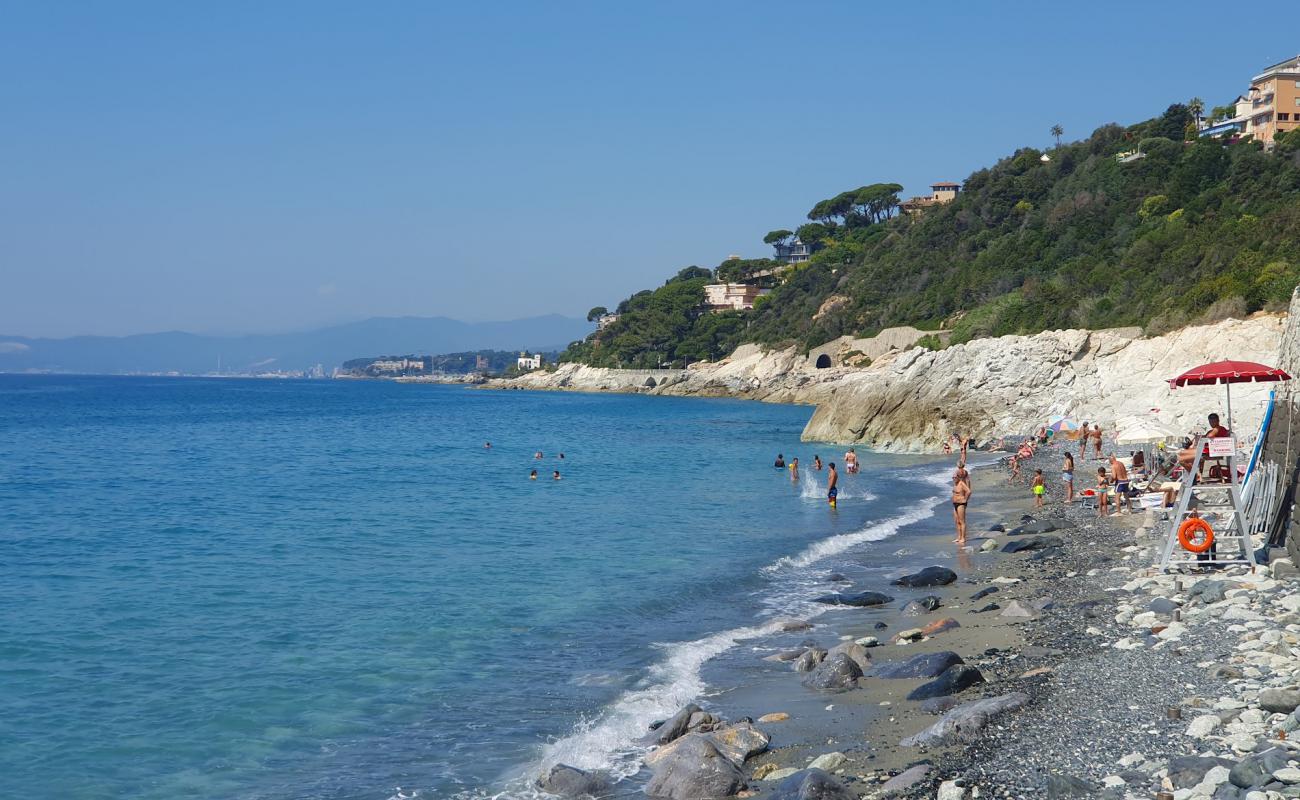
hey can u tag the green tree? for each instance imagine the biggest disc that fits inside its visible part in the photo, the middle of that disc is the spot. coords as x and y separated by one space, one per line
596 313
691 273
1058 132
1197 107
780 236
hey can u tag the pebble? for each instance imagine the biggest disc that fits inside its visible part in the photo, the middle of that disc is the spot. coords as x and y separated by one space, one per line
776 716
828 761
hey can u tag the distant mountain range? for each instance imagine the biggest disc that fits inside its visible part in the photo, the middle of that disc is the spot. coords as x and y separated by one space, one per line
193 353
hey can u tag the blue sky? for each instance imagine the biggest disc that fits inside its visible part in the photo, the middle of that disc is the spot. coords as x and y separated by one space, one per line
255 166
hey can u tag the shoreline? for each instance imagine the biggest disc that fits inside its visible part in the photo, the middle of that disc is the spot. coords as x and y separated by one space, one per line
1084 635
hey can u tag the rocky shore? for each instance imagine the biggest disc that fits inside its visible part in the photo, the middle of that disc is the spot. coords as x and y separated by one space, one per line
909 399
1048 660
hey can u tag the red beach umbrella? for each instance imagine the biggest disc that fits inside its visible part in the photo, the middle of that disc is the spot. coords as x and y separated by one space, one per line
1227 373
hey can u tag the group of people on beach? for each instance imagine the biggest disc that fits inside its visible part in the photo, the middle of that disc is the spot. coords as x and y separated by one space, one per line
832 474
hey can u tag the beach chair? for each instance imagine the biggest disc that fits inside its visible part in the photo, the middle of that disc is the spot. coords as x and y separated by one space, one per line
1088 499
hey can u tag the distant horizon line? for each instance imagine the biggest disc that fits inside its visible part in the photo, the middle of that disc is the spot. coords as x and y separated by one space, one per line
288 332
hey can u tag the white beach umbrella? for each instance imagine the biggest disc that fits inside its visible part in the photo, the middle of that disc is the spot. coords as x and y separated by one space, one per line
1143 430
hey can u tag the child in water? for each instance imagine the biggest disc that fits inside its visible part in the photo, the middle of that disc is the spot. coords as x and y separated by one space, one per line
1040 487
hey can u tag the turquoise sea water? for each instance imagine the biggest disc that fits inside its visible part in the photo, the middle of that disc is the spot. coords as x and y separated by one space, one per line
253 589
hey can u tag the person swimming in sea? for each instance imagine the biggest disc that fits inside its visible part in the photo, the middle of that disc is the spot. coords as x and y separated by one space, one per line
780 461
832 489
817 463
538 455
555 475
487 445
532 476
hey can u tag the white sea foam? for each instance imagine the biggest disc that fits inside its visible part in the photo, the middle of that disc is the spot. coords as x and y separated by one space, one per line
610 741
874 532
810 488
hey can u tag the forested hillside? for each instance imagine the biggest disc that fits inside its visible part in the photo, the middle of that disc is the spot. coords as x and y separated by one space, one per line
1131 226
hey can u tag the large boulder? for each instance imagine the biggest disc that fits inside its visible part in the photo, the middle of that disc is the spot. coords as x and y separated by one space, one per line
1257 769
1032 543
675 726
836 673
566 781
808 661
965 721
1279 701
854 651
925 665
930 576
955 679
860 599
812 784
1187 771
695 769
739 741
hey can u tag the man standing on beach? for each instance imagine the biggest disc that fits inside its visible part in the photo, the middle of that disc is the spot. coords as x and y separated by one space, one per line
1120 474
1067 475
832 490
960 497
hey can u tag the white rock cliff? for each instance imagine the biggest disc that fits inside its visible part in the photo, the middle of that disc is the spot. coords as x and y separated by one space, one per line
910 400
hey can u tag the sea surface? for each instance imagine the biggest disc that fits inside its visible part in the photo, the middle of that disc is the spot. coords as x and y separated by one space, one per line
330 589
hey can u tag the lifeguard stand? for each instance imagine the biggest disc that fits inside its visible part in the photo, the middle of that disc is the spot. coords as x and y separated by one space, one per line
1219 504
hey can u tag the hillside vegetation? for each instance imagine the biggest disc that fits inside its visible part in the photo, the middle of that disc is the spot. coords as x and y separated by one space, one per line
1131 226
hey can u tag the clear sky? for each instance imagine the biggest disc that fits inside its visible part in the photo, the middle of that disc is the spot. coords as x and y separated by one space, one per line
268 166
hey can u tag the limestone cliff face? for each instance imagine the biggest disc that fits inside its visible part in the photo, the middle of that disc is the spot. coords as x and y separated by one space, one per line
910 400
1010 385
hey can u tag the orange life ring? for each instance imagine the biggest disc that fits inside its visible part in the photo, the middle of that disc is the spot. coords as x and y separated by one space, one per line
1185 535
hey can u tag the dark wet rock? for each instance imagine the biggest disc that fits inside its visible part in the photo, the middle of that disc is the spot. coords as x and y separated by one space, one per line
566 781
986 608
1187 771
809 659
1279 701
925 665
904 781
1257 769
861 599
854 651
939 705
836 577
1069 786
836 673
1041 526
998 527
812 784
955 679
985 592
676 726
930 576
1227 791
880 626
694 769
1032 543
921 606
966 720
